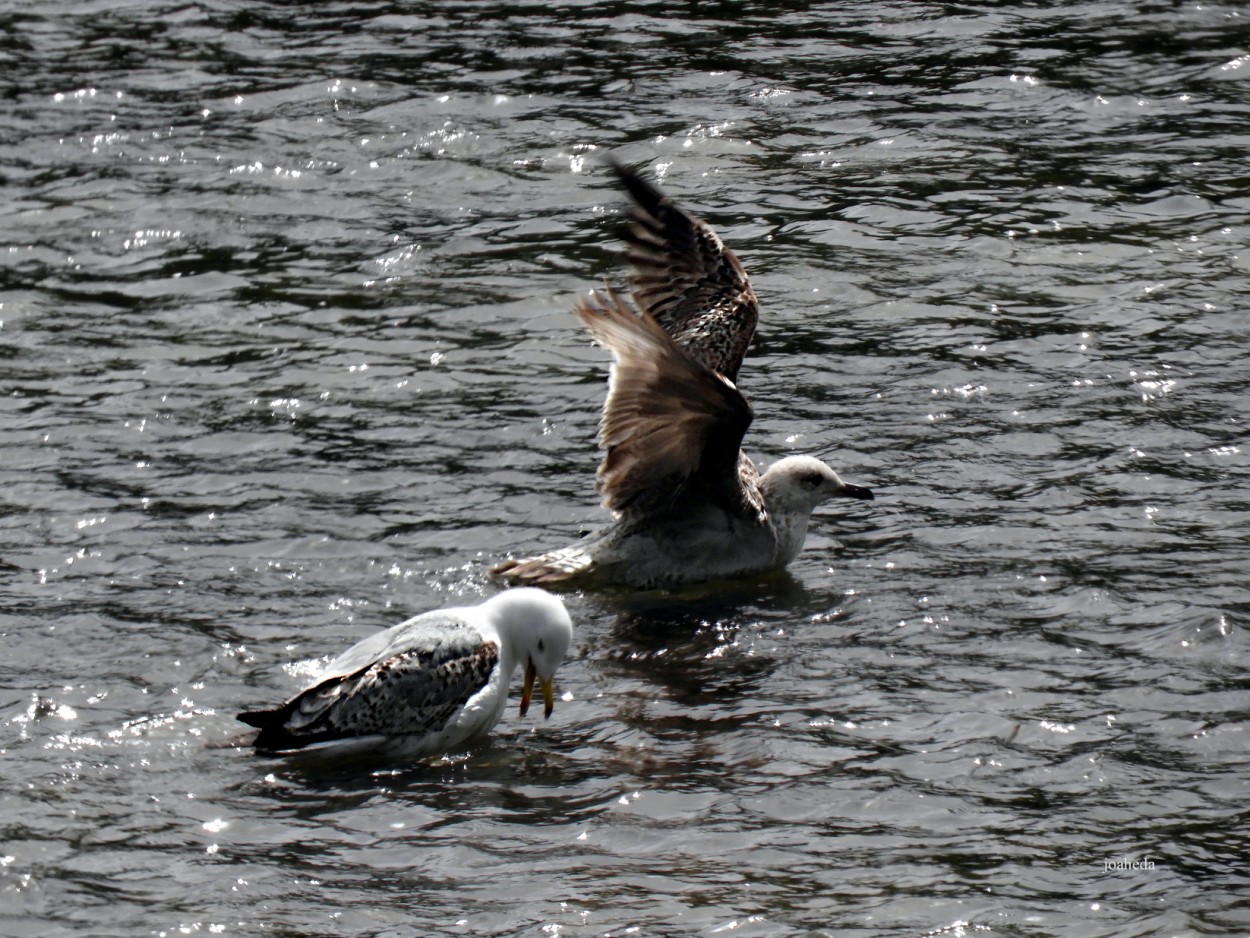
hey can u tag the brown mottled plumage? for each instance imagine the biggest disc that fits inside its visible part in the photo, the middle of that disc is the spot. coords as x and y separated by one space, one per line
417 690
689 505
685 277
671 426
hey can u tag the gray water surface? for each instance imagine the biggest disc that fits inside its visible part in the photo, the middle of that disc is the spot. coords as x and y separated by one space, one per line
287 356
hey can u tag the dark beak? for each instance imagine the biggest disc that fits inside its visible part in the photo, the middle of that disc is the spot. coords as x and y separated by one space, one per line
856 491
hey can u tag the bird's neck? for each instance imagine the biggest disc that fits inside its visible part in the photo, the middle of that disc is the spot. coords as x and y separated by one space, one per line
790 529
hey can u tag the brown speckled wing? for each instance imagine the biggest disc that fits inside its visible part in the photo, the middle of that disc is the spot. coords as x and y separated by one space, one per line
414 692
685 277
668 419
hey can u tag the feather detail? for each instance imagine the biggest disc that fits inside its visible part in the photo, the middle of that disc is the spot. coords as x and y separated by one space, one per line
668 419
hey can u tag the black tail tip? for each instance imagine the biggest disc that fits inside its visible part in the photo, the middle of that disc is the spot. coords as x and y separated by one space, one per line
257 718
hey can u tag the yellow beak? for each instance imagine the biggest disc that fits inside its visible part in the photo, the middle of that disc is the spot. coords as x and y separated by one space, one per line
548 687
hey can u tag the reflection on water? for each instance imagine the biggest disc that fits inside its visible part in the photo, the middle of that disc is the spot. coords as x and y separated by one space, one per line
288 357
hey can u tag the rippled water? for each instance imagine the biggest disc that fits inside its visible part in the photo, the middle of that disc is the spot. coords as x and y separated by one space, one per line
287 357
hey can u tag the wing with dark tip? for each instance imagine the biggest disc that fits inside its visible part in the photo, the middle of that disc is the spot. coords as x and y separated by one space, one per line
412 692
685 277
668 421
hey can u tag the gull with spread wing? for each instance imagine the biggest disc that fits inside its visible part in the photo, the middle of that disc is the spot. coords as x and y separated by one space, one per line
689 504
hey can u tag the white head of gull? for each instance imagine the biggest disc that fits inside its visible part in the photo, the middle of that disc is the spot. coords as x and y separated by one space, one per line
689 504
428 685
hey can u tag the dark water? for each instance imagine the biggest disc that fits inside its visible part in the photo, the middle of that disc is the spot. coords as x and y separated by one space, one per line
286 356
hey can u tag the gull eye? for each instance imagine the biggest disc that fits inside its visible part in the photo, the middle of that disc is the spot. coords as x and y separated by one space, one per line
810 481
542 646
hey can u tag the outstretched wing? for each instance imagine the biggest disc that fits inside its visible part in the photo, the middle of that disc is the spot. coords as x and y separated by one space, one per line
669 422
411 693
686 278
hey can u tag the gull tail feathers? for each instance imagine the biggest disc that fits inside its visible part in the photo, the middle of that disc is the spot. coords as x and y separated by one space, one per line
274 736
558 566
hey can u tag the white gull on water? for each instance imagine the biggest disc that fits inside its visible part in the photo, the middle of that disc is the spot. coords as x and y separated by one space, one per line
428 684
689 505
